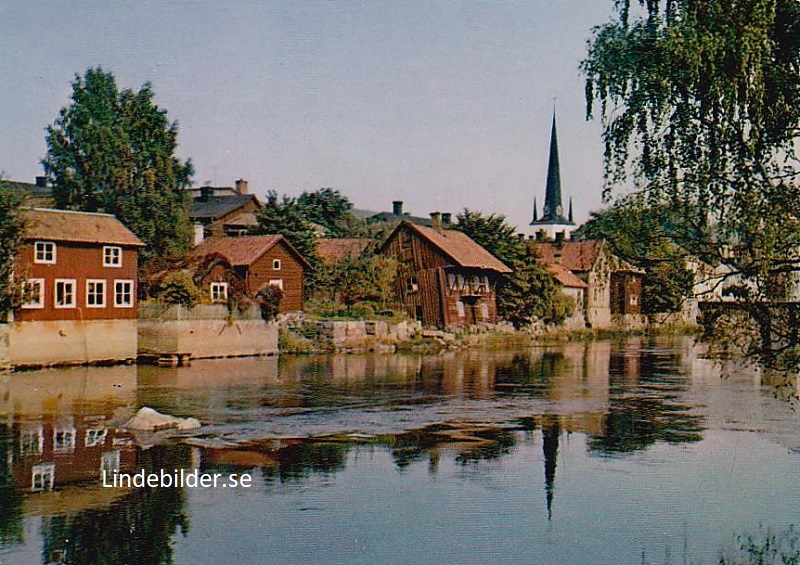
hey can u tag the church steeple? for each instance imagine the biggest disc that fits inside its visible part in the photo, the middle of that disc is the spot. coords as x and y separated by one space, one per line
553 211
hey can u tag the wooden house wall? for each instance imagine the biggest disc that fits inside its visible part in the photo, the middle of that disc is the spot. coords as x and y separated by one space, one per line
217 227
291 272
79 262
626 293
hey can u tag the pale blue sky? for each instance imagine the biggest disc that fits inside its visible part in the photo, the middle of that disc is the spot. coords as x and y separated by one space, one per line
442 104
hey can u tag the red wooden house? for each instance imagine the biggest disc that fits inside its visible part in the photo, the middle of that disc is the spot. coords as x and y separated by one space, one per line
444 278
79 272
259 260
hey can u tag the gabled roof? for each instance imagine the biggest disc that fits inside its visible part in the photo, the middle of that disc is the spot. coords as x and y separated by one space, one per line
577 256
83 227
565 277
214 207
332 251
457 246
392 217
246 250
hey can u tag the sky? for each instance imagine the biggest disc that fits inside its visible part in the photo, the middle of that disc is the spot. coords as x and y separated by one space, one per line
445 105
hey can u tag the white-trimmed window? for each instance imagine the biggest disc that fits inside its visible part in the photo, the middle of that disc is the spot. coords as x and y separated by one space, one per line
112 256
95 293
44 252
123 294
219 292
276 282
64 438
276 264
64 293
31 440
411 285
43 477
95 436
33 293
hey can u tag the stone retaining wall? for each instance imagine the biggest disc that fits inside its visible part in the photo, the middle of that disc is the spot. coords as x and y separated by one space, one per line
208 338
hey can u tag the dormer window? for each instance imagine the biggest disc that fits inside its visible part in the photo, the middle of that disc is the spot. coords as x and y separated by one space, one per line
112 256
44 252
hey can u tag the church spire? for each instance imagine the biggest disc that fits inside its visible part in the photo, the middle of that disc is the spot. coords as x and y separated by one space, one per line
553 208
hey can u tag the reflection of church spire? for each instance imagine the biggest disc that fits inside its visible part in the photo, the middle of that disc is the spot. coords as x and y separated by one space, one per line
550 433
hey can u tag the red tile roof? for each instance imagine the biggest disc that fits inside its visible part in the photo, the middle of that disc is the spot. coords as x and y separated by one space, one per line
577 256
565 277
83 227
459 247
243 251
332 251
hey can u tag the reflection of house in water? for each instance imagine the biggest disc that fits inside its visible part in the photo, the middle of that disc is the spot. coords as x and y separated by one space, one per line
62 425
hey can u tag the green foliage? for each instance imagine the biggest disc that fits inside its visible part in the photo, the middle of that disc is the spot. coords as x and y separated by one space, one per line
178 287
269 301
494 234
647 236
113 151
765 548
331 210
700 103
287 218
366 279
12 230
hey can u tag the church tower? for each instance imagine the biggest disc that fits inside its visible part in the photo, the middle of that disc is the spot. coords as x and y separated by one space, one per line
552 224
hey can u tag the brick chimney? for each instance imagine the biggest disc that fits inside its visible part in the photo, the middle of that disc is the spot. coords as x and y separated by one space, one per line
447 219
205 192
241 186
436 219
397 207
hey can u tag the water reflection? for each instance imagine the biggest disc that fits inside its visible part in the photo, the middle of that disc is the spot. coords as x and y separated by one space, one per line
291 419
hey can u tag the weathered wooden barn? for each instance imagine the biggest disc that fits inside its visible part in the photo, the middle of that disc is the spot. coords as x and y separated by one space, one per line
444 278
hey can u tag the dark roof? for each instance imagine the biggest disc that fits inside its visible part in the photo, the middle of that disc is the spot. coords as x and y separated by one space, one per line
40 196
457 246
83 227
332 251
244 251
390 217
215 207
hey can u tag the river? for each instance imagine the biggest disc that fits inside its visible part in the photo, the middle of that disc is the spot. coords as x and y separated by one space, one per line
631 451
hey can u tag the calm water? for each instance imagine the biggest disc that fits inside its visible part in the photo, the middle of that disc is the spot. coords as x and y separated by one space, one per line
625 452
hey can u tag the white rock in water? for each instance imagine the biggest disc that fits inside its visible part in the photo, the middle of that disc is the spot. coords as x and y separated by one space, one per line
151 420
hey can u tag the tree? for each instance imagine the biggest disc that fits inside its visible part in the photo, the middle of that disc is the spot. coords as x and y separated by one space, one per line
12 232
287 218
646 236
332 210
113 151
530 292
700 106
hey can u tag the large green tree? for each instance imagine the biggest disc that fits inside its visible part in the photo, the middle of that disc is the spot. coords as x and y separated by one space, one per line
286 217
700 106
12 231
530 292
332 210
647 236
113 151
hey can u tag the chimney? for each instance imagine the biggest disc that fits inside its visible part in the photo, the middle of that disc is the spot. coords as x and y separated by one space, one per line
521 236
397 207
540 235
41 181
447 219
205 192
560 237
436 220
241 186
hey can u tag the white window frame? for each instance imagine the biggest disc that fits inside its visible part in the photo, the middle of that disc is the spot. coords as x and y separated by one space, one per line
112 256
74 285
31 440
276 282
95 436
40 303
46 474
276 264
117 303
47 247
68 439
219 292
89 294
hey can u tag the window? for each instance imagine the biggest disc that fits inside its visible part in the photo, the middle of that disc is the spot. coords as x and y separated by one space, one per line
123 294
43 477
33 293
95 436
634 300
95 293
460 309
31 441
64 438
110 462
219 292
411 285
112 256
276 264
65 293
44 252
276 282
